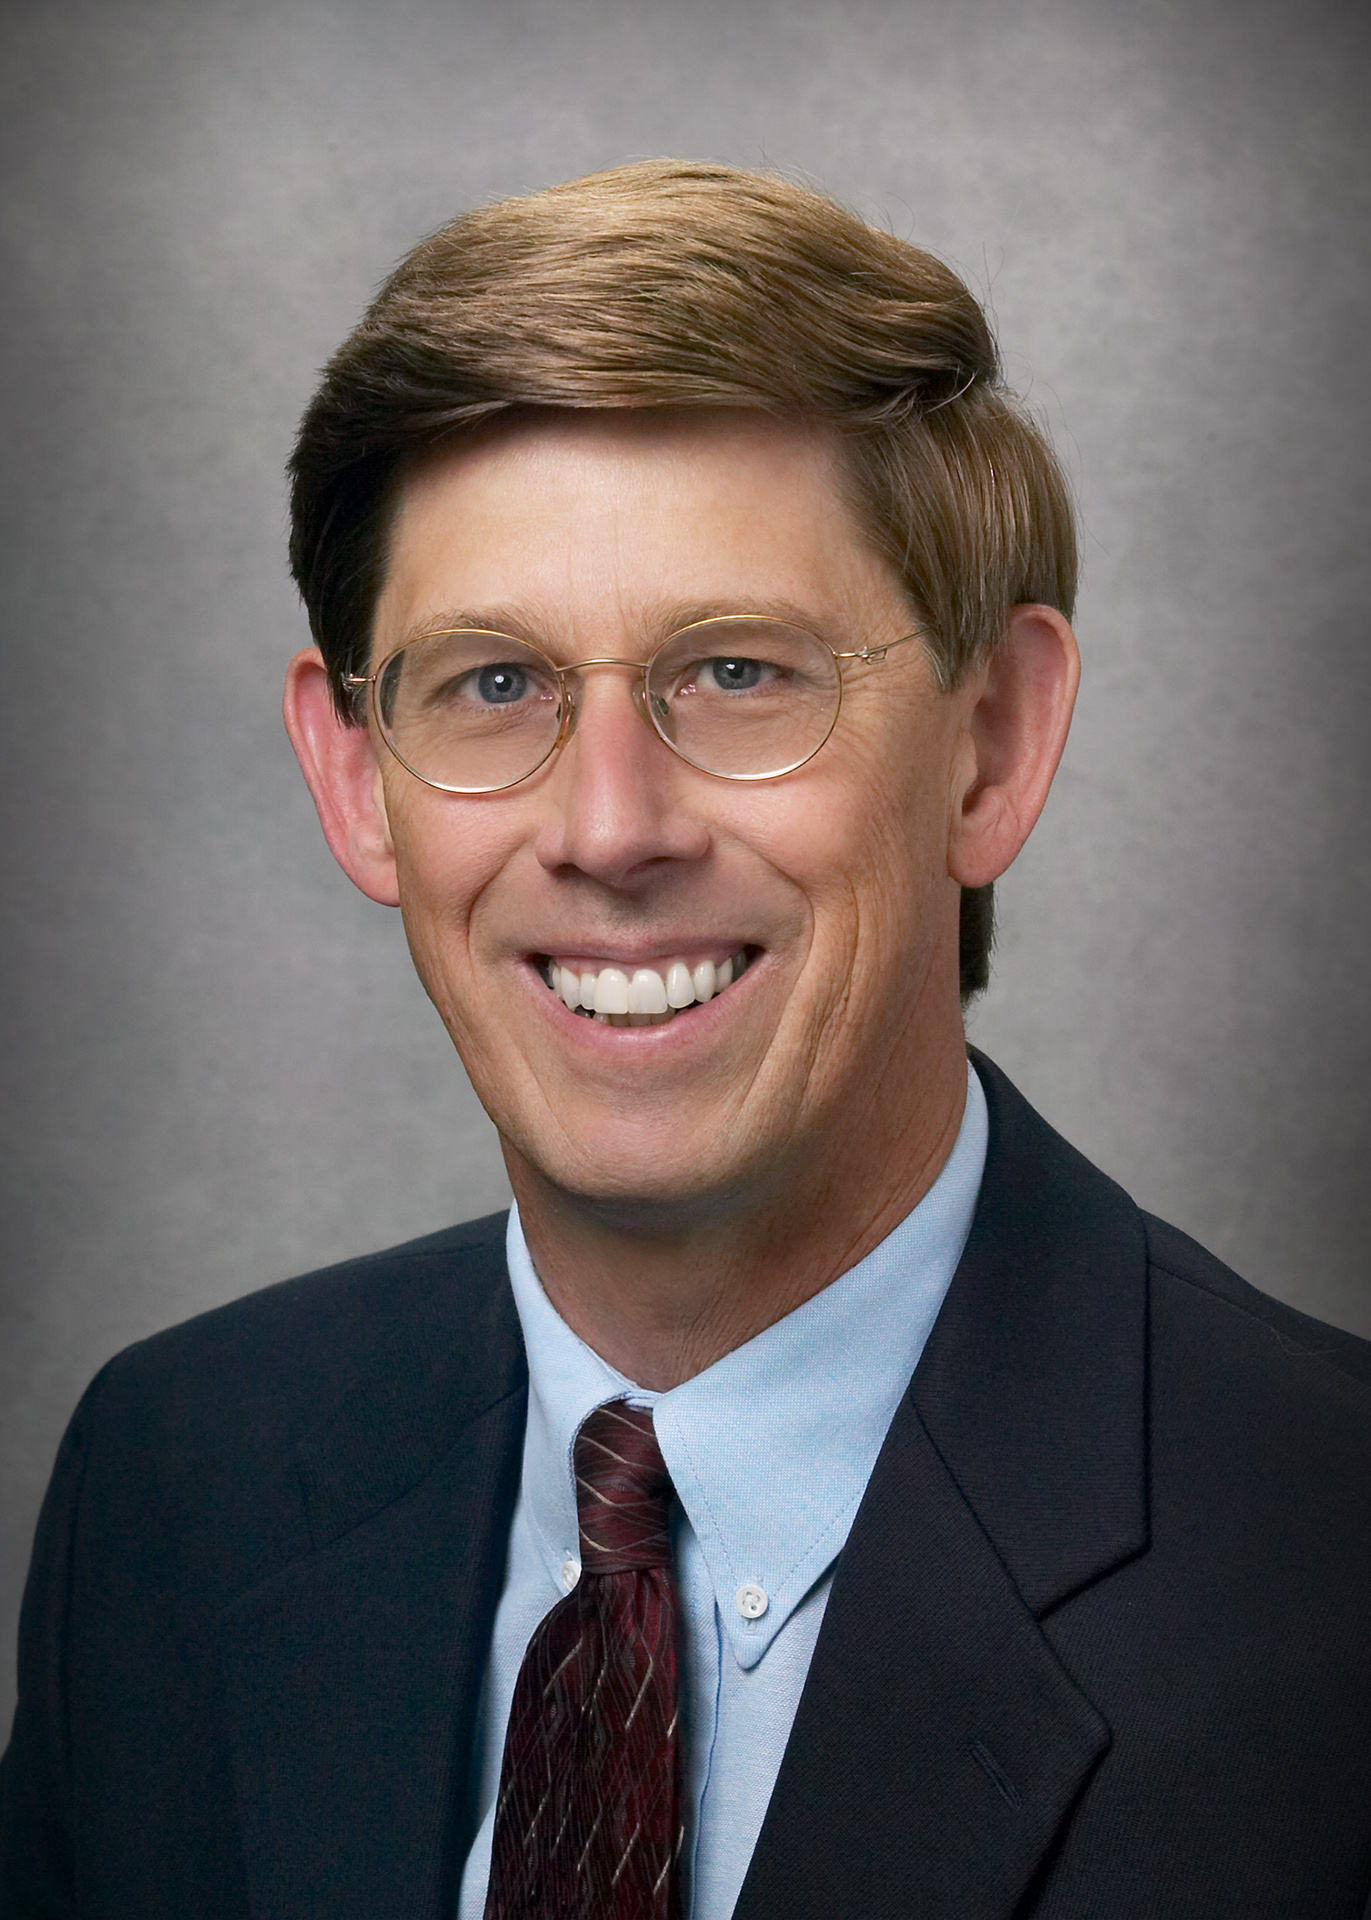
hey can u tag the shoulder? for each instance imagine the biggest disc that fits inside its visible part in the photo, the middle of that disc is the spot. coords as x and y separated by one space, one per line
1041 1195
255 1374
1076 1313
1259 1421
1189 1283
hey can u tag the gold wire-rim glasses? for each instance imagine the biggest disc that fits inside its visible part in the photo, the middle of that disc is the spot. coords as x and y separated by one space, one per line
567 712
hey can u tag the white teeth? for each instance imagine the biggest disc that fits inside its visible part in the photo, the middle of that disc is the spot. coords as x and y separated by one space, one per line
644 999
646 994
680 988
611 991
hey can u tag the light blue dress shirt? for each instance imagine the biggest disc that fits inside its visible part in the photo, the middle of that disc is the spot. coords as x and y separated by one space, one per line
769 1450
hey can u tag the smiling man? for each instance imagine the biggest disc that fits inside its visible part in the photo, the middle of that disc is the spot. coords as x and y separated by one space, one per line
825 1493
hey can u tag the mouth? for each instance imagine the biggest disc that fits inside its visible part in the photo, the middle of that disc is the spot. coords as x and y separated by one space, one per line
620 996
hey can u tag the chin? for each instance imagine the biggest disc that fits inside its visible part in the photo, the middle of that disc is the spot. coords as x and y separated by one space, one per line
642 1188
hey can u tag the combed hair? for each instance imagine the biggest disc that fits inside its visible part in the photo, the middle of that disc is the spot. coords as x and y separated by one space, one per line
669 284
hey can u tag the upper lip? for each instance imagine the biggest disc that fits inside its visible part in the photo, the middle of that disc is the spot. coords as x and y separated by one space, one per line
642 954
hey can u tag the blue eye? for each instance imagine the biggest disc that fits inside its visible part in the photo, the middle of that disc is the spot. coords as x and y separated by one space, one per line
502 684
736 676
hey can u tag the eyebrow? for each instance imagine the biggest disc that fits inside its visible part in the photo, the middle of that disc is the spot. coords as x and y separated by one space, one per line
658 623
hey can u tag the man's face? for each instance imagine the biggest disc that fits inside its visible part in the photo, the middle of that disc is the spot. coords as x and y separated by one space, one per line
600 535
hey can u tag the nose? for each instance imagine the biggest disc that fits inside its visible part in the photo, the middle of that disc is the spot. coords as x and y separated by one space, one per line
618 801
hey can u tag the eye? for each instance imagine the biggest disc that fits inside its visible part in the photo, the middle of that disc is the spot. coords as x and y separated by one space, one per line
500 684
735 675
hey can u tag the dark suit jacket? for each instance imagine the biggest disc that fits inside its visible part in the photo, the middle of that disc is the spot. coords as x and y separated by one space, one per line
1099 1643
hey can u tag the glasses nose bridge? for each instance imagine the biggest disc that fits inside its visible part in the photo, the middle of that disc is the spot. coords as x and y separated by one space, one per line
639 667
571 701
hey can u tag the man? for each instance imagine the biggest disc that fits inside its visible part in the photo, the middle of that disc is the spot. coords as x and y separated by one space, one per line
827 1494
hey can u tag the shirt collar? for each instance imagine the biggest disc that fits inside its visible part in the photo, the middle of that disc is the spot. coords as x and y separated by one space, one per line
770 1449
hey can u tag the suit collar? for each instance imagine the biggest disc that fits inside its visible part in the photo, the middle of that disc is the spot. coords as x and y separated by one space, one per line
940 1743
1032 1384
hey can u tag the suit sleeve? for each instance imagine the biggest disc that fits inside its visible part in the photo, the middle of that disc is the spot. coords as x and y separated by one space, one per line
36 1850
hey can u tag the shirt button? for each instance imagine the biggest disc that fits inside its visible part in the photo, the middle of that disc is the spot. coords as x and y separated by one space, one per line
751 1600
571 1573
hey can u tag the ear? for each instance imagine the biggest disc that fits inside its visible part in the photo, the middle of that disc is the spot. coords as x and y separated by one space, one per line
339 765
1019 709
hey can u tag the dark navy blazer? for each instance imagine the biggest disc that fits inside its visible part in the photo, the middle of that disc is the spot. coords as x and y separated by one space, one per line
1099 1643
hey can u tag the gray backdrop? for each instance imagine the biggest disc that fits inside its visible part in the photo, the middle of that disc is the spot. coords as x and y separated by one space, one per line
220 1069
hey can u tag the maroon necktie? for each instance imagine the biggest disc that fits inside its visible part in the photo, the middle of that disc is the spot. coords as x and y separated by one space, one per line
587 1826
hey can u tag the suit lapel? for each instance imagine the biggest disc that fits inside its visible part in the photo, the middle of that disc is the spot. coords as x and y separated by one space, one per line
351 1678
939 1743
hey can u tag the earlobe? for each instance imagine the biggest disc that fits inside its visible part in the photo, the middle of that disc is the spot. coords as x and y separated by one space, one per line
339 765
1015 730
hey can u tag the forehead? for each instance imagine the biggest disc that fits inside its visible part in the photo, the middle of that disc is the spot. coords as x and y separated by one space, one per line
635 521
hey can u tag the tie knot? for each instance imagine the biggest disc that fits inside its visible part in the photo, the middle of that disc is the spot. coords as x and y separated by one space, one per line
623 1491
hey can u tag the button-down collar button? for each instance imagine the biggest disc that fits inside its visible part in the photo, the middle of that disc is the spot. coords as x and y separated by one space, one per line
751 1600
571 1573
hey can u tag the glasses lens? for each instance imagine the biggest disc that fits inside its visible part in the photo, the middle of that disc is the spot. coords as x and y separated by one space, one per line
749 698
469 712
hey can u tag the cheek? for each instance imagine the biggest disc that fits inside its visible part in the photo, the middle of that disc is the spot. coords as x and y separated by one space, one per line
872 845
858 824
448 852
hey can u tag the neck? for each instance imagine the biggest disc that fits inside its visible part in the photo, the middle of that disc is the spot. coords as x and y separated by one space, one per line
661 1296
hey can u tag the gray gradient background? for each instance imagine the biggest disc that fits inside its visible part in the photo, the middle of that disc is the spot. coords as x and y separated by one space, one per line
220 1069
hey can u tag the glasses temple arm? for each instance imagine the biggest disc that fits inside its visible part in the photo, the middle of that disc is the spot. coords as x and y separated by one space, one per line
877 654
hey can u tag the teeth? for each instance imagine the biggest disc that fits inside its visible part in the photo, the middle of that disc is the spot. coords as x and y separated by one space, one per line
611 991
646 993
680 988
644 999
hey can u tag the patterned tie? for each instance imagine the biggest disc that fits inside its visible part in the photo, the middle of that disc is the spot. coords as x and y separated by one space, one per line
587 1826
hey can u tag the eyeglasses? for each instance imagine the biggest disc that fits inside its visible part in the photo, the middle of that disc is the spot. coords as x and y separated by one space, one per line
742 697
